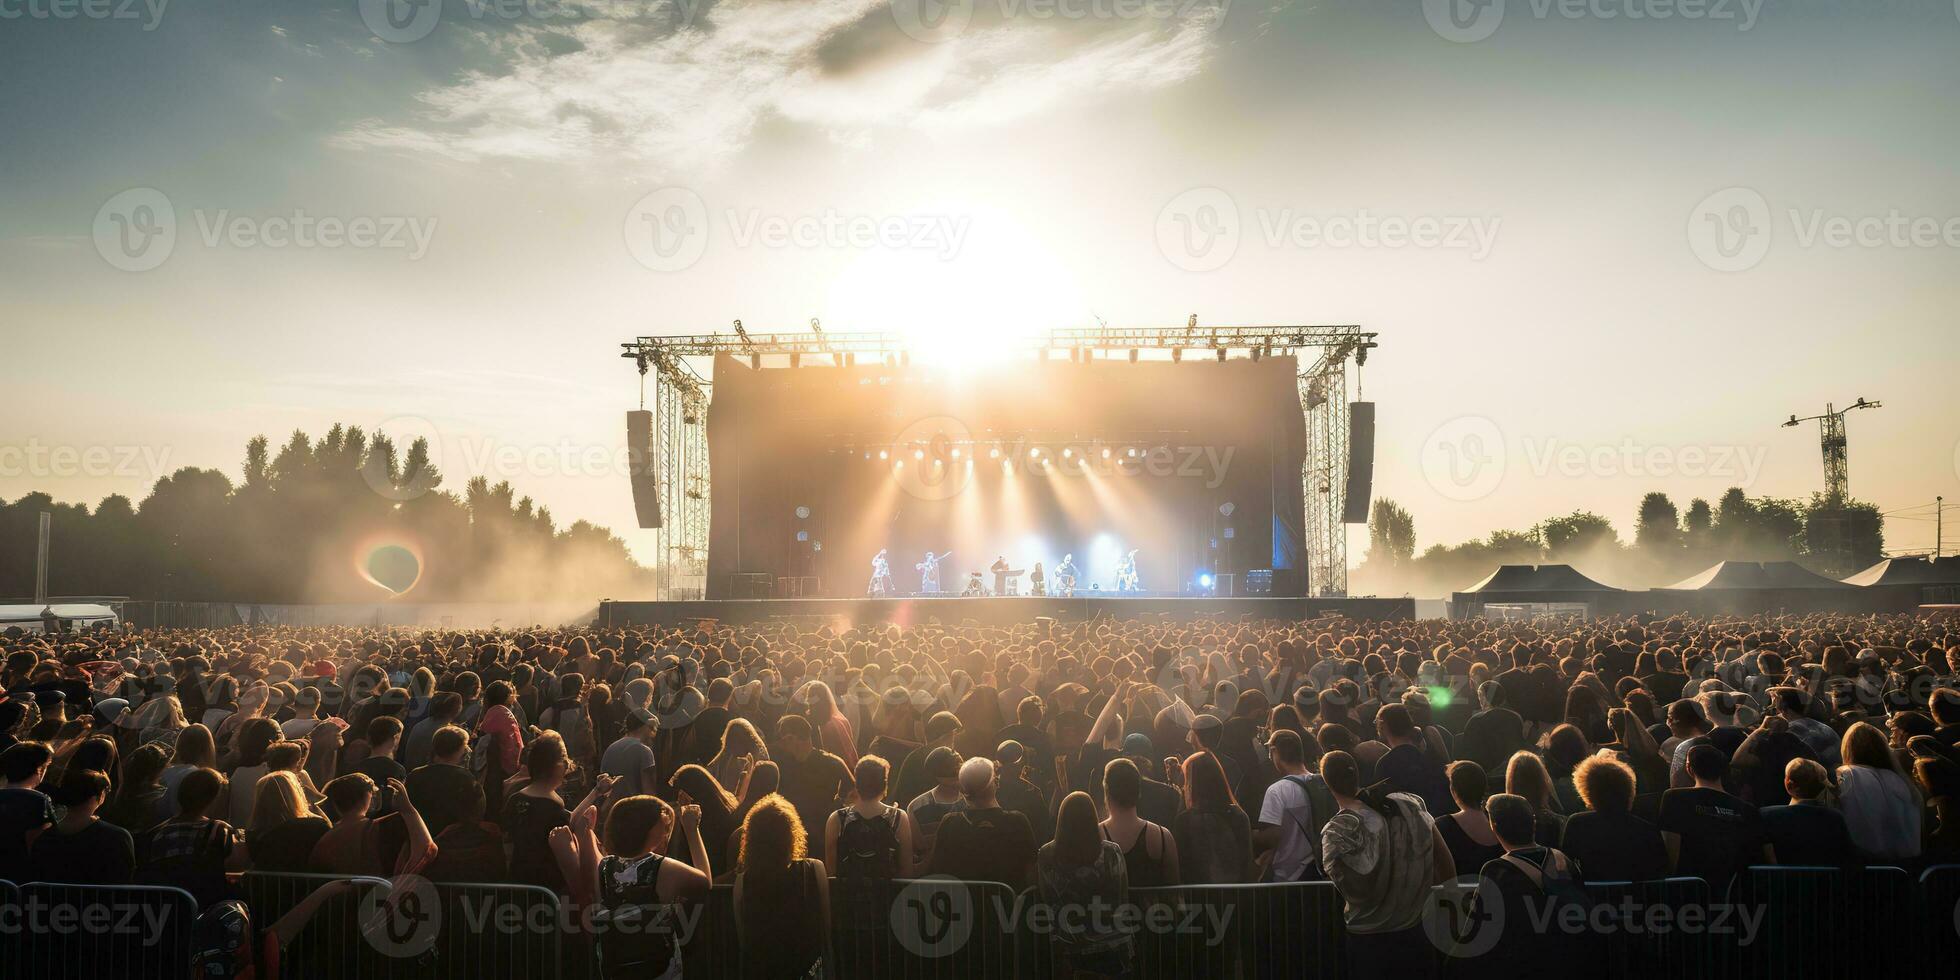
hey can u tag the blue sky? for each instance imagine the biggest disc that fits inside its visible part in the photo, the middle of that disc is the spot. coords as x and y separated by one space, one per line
1032 165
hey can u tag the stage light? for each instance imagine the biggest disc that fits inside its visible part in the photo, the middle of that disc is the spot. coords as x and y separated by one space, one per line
884 454
1034 453
1105 452
867 454
1068 454
918 454
994 453
898 464
1205 580
956 452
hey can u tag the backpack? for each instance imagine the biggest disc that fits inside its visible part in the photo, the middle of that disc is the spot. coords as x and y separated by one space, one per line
483 751
224 942
867 860
636 930
1320 809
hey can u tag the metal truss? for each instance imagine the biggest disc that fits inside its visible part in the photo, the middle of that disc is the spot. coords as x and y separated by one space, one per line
681 399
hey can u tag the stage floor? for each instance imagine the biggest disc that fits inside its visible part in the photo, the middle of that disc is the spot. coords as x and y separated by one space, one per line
995 610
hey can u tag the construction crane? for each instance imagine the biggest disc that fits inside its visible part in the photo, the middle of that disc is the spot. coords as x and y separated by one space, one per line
1837 457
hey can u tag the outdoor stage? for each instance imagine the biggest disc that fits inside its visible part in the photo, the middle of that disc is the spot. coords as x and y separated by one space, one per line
994 611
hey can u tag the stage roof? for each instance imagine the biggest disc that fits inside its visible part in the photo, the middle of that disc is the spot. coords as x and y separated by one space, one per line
1538 578
1916 570
1740 575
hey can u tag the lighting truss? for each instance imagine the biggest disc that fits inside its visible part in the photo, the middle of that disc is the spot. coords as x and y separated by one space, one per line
681 395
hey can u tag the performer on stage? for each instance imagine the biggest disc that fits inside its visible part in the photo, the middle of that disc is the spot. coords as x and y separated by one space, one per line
882 585
1037 583
1065 574
929 572
975 587
1000 568
1126 573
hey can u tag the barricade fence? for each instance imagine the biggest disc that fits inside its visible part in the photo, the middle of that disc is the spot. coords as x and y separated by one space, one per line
1794 922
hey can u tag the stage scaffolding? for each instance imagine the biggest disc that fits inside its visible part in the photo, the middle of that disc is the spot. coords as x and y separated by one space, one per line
680 393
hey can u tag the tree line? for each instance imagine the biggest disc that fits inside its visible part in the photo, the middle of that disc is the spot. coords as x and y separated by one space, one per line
1831 537
297 527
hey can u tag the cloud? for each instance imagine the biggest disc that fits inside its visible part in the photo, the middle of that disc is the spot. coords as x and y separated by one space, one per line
686 96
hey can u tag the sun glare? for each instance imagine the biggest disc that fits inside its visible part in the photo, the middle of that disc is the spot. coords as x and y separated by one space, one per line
965 302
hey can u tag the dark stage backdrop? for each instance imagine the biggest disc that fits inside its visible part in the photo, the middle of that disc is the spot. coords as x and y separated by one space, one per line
1206 434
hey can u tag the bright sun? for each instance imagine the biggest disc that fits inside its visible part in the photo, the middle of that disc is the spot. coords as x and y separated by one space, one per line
983 283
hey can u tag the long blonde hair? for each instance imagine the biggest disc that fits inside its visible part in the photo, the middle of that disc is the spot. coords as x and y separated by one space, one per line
277 799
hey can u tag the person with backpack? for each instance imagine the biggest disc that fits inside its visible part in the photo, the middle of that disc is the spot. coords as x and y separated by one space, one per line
1296 807
1534 883
638 888
1083 878
498 747
869 843
226 946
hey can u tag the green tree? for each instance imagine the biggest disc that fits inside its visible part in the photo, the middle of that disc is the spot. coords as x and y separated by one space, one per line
1657 528
1576 534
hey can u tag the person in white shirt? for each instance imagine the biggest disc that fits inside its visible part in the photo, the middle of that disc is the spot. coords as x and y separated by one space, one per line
1286 816
1881 808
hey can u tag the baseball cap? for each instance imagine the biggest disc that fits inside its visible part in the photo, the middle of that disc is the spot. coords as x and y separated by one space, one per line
1138 744
942 724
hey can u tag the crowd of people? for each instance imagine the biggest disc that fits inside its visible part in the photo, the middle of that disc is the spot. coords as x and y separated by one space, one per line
809 766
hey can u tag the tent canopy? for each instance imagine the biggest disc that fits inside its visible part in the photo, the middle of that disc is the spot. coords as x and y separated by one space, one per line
1740 575
1916 570
1538 578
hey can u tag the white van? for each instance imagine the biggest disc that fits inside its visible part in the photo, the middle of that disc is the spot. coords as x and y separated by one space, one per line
76 616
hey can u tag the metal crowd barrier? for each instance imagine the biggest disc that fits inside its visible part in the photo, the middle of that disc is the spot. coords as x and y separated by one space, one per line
90 932
332 946
1939 900
1635 950
1821 922
1291 930
496 930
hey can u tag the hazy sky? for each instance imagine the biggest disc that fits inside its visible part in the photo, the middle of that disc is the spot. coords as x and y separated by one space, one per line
1608 245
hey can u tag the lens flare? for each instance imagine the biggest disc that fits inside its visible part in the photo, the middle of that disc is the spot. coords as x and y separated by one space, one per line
394 566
